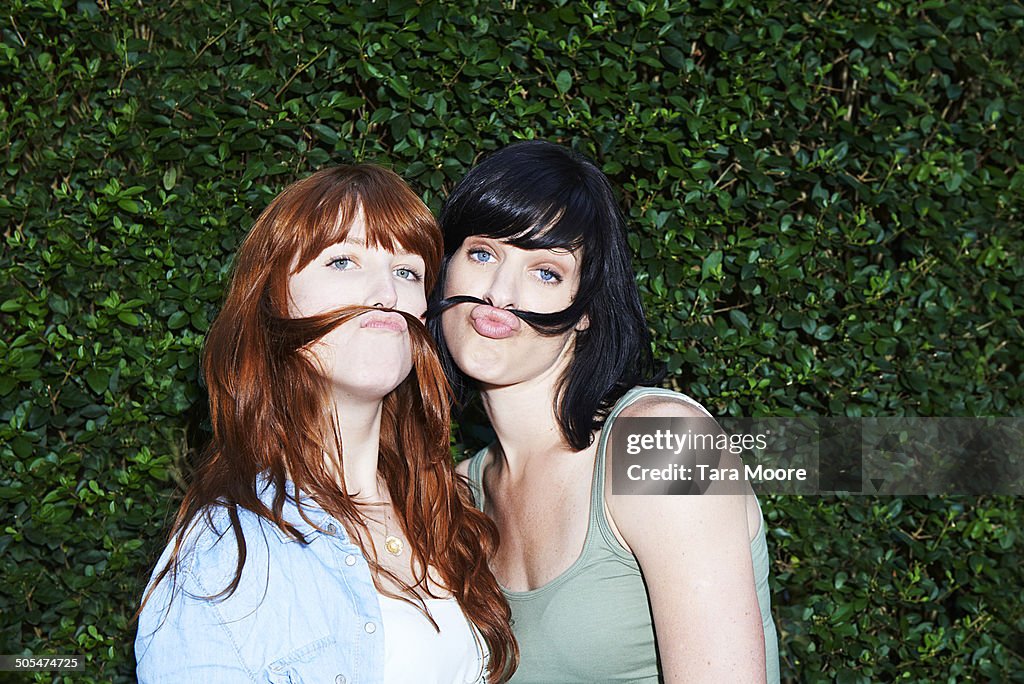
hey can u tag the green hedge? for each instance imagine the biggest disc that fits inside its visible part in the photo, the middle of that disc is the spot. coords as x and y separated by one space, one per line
826 207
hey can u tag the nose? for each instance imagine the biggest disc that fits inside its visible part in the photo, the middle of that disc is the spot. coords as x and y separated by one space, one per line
382 291
502 291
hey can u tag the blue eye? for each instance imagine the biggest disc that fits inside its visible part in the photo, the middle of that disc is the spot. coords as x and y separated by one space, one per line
548 276
481 255
407 274
341 263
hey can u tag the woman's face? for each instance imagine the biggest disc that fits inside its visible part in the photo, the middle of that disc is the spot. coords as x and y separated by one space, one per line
488 343
369 356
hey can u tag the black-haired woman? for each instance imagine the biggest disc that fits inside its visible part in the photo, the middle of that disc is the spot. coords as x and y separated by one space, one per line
542 316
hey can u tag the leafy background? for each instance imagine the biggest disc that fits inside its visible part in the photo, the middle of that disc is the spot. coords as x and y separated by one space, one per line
825 203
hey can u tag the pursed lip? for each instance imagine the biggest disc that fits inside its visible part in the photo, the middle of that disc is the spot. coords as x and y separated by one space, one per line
384 320
494 323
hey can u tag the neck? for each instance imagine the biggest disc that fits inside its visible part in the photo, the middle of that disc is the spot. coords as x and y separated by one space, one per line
359 424
524 419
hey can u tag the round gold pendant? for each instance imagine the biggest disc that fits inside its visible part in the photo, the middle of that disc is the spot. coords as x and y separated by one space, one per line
394 545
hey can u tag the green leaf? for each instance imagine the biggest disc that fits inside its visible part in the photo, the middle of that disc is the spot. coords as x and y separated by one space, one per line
131 206
792 319
97 379
563 81
178 319
739 319
348 103
865 35
673 57
712 265
824 332
170 178
325 133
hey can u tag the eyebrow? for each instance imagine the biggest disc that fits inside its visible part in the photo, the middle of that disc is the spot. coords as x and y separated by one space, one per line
563 251
556 251
360 242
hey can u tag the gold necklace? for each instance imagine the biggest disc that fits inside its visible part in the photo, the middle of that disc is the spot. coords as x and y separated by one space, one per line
392 544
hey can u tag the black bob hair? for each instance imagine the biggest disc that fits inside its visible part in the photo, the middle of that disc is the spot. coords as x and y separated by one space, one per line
539 195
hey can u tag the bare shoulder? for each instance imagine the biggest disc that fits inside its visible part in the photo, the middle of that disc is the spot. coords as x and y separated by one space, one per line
664 406
462 467
650 516
640 519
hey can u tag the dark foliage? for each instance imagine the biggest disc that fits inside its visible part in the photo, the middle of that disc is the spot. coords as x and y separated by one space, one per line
825 203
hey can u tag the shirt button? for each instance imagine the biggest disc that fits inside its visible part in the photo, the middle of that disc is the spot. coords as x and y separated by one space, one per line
332 529
370 627
350 560
340 679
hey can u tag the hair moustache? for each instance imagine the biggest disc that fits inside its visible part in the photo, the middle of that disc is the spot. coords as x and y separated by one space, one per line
289 335
555 323
292 334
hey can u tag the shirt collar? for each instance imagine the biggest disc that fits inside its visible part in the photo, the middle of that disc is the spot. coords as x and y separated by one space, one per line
290 512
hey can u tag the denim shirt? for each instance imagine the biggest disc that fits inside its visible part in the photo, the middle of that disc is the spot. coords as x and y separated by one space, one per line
301 612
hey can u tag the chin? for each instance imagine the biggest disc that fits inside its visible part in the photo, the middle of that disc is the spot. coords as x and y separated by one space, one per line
494 373
368 388
371 380
480 363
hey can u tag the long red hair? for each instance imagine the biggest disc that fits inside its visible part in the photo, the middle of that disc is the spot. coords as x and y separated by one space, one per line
269 403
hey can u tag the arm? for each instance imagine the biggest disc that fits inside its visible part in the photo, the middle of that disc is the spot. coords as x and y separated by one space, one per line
182 638
694 553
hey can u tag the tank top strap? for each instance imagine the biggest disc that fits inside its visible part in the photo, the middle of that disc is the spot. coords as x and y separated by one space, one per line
598 519
476 480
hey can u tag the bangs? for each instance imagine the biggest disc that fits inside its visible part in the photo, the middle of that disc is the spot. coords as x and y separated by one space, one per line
396 219
530 211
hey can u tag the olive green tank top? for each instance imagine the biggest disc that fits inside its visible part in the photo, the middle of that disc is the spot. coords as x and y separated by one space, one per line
593 622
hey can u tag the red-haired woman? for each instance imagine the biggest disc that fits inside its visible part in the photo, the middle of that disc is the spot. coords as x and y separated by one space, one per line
325 536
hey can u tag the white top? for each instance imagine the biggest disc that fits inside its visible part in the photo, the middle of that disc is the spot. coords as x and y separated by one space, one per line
415 652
